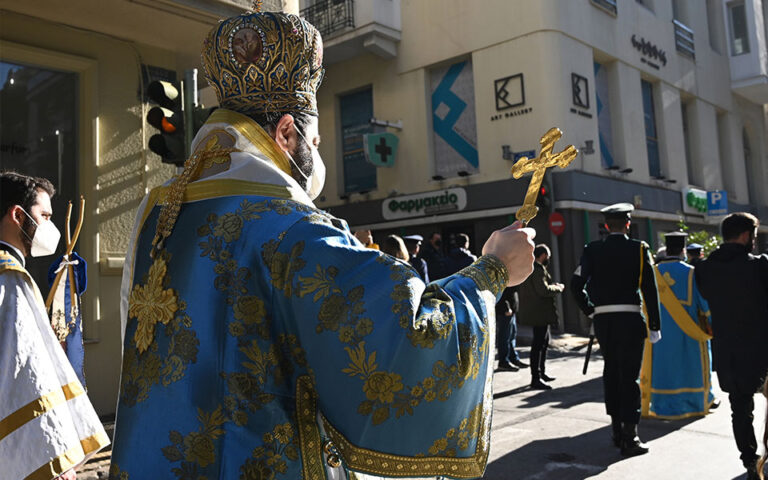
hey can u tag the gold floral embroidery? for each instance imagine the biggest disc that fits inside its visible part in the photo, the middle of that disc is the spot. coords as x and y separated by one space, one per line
309 433
143 370
489 273
151 304
269 460
196 449
116 474
459 438
385 391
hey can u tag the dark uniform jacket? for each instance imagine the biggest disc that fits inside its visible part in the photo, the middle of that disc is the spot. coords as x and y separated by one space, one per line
421 267
735 283
615 270
458 258
537 299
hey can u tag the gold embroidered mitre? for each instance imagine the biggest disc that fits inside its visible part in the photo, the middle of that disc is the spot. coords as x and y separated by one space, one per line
264 62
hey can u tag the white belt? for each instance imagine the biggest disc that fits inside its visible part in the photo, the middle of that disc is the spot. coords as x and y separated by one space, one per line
617 308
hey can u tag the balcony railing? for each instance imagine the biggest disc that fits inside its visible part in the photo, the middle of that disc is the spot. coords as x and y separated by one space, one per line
607 5
684 39
330 16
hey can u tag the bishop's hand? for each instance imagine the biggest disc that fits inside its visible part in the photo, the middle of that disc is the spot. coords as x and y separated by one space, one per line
513 245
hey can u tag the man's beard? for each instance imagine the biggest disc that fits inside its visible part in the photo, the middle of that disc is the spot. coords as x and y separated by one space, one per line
302 155
26 240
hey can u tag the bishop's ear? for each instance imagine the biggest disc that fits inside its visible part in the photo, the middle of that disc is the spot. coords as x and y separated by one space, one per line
285 133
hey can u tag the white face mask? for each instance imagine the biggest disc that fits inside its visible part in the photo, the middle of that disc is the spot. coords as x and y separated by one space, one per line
46 237
316 180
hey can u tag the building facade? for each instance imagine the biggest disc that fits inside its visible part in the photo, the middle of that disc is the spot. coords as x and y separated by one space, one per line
664 99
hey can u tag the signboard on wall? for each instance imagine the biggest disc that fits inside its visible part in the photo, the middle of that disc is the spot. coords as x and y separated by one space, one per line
454 135
356 113
422 204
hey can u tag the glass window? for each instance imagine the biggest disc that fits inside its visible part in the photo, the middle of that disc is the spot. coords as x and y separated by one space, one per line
651 138
356 113
39 137
737 15
604 123
687 145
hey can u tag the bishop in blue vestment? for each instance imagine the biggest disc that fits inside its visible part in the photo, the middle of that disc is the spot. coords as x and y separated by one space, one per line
261 339
676 380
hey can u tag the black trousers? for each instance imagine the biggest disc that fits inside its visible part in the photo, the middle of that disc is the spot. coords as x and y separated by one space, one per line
621 337
742 406
539 347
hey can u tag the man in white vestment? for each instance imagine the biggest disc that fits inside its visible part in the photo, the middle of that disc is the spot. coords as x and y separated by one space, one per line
47 424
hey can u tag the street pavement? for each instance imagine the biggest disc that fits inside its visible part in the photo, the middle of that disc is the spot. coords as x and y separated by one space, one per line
564 433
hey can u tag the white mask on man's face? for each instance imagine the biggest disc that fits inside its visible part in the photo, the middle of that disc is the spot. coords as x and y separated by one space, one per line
46 237
316 180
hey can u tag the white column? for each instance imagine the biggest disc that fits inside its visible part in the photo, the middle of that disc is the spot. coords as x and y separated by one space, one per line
732 158
628 121
669 124
705 147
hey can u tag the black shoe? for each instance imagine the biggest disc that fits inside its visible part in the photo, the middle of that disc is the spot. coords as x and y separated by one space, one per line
547 378
539 385
715 404
520 363
507 367
631 445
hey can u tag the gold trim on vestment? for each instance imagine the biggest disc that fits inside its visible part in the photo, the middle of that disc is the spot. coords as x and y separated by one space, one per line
70 458
387 465
310 443
679 314
39 407
255 134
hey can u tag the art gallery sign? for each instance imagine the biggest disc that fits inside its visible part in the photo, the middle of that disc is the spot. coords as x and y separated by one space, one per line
422 204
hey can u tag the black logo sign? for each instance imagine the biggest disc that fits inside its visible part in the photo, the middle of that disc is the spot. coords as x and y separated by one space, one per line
650 50
510 92
580 91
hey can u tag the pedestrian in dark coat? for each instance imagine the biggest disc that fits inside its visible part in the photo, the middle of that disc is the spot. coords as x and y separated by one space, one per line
459 257
432 253
538 310
735 283
506 331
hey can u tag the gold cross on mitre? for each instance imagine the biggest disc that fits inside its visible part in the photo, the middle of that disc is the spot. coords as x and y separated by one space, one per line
539 166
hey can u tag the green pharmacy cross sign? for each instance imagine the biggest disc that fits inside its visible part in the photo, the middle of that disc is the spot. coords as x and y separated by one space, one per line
380 149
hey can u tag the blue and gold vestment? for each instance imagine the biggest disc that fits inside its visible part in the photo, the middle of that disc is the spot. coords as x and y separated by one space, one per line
265 342
676 380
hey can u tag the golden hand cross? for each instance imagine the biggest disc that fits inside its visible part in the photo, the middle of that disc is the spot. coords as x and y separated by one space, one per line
539 166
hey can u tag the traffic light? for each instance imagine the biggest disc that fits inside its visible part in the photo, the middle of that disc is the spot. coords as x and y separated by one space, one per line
544 200
167 117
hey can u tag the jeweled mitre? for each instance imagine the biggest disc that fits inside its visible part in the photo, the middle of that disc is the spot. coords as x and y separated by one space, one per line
264 62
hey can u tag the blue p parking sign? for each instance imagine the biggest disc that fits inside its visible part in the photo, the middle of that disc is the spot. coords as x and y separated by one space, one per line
717 202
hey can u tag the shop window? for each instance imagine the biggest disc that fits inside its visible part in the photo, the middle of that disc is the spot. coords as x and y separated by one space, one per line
651 135
604 125
39 137
356 114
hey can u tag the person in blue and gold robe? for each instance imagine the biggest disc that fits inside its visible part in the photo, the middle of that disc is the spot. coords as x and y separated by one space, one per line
261 339
676 380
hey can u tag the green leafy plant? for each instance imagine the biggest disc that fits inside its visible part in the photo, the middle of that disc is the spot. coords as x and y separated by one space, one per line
708 241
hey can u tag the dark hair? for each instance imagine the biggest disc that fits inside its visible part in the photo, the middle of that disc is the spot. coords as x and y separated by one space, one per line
268 121
540 249
18 189
463 239
432 235
737 223
616 224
